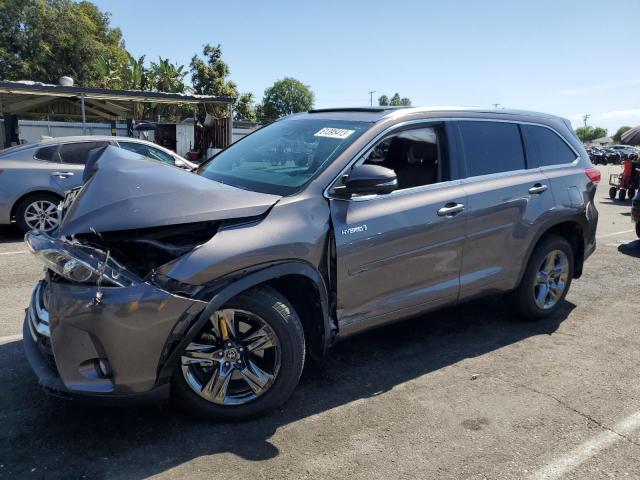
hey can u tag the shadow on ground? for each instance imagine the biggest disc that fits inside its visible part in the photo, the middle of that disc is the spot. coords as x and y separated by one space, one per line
630 248
10 233
62 438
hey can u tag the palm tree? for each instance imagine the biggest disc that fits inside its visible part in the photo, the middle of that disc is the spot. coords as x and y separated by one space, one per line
167 77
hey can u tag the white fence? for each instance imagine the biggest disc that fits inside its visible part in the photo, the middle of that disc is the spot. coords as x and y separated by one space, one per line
32 131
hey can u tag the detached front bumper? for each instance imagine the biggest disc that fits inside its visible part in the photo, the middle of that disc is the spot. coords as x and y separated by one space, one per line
110 350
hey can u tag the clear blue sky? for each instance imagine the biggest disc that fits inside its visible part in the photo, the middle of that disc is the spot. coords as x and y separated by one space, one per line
567 57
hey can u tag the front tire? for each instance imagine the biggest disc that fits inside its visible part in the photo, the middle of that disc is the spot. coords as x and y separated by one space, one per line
622 194
631 193
546 280
612 193
246 360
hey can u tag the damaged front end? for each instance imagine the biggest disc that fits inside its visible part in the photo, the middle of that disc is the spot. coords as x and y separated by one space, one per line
97 327
102 322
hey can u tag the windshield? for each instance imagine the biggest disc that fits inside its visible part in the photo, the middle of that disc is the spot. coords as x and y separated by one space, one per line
282 157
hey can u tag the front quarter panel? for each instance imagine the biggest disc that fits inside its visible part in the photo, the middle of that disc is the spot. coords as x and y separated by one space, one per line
295 229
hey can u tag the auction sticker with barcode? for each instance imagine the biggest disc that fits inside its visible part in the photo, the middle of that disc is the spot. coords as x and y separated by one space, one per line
328 132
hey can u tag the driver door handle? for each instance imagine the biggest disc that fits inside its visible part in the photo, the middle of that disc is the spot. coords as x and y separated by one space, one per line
537 189
451 209
62 174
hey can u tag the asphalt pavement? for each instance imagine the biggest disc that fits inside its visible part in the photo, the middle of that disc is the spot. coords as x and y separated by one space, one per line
465 393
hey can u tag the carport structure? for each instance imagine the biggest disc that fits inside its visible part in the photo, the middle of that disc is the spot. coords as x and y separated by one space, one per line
33 99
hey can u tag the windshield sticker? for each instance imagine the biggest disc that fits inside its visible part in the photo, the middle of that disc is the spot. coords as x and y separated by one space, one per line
328 132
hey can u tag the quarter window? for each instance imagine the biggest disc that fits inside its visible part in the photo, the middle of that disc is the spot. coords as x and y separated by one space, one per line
47 153
545 147
491 147
78 153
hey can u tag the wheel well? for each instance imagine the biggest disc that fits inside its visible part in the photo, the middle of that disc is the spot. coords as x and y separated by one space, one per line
572 232
31 194
303 295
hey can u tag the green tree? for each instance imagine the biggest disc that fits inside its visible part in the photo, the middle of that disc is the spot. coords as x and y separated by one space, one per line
395 101
244 108
165 76
285 97
589 133
134 75
209 77
43 40
617 137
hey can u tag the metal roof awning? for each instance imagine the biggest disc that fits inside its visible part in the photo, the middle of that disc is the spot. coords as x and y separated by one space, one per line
39 98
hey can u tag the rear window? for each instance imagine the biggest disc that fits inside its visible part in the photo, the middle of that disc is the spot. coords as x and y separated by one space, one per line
78 153
545 147
47 153
491 147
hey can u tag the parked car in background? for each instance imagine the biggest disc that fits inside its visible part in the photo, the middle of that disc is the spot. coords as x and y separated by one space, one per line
227 279
35 177
612 156
597 155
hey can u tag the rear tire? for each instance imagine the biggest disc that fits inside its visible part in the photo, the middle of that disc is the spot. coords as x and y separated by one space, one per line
631 193
29 208
281 320
523 300
612 193
622 194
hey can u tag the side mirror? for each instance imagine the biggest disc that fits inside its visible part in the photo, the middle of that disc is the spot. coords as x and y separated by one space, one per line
368 180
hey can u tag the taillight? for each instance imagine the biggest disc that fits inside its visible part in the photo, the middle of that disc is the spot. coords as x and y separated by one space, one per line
593 173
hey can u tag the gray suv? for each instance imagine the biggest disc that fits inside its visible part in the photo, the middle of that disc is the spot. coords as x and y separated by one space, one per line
35 177
215 287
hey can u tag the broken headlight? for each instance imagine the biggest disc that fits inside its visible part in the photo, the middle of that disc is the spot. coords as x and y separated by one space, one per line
78 263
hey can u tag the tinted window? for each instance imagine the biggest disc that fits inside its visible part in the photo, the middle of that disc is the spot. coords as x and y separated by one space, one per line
78 153
148 152
491 147
545 147
46 153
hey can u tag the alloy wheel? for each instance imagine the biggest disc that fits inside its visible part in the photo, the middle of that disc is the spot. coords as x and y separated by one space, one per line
41 215
551 280
234 360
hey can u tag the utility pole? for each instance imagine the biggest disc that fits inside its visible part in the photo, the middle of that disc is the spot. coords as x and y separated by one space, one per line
371 92
585 118
496 105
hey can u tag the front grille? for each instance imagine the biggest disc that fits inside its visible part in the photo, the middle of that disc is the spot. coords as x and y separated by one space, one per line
38 317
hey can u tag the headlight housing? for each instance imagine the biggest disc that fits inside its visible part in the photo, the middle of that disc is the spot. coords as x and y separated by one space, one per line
78 263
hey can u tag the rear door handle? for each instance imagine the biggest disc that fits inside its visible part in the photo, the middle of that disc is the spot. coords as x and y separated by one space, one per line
537 189
451 209
62 174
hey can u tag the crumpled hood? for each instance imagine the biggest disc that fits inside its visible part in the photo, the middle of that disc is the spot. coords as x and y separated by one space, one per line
128 191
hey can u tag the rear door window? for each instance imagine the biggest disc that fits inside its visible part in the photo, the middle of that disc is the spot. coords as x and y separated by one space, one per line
545 147
47 154
491 147
78 153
